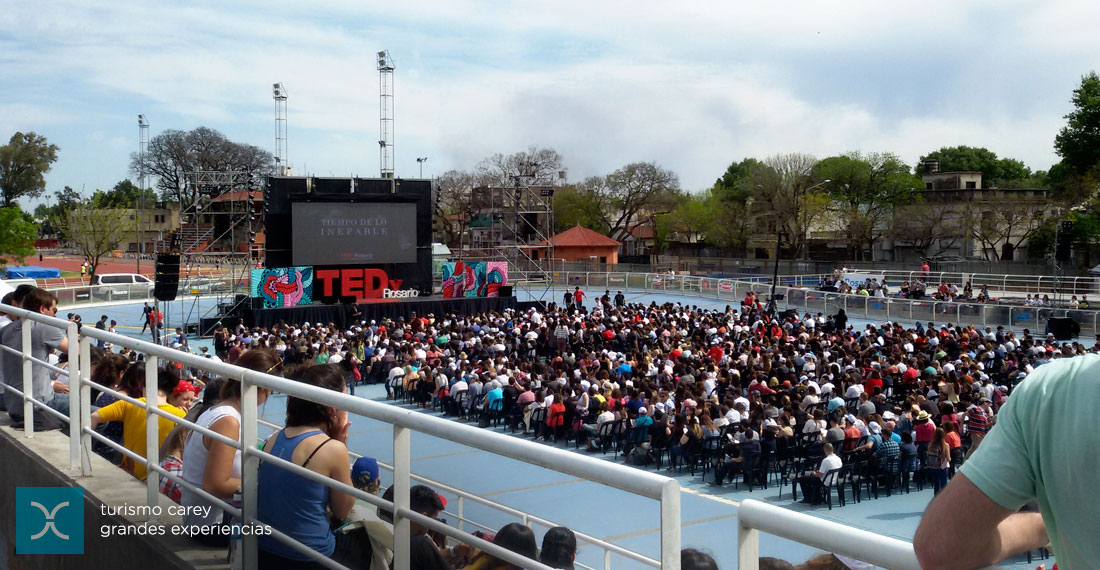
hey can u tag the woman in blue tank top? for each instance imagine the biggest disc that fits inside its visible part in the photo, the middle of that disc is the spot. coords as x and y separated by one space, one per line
316 438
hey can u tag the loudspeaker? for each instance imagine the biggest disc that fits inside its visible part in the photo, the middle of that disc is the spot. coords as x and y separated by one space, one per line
166 279
505 291
1063 242
1063 328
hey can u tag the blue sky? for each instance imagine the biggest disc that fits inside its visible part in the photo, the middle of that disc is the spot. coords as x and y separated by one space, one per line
692 86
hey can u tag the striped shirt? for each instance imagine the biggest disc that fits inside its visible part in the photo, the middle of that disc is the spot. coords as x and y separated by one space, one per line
976 420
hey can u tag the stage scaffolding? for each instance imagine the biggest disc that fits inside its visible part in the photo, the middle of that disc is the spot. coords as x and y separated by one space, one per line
514 223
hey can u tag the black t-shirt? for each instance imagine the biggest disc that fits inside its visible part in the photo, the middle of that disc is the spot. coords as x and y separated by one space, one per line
424 555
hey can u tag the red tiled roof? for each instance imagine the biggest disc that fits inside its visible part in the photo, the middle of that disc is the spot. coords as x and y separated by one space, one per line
642 232
241 195
579 236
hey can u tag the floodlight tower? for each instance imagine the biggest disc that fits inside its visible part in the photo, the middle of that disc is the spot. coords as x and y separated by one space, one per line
279 93
143 144
385 128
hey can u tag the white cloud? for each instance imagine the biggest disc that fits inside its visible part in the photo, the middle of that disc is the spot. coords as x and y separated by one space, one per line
693 87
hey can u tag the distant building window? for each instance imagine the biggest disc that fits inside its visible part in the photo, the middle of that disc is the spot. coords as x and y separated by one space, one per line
971 185
927 185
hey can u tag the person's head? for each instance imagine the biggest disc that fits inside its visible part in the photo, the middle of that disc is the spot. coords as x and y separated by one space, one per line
260 360
21 293
424 500
559 548
691 559
937 437
519 539
364 474
183 396
40 301
167 380
301 412
828 449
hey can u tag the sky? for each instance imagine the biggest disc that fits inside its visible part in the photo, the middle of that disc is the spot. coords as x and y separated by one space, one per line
692 86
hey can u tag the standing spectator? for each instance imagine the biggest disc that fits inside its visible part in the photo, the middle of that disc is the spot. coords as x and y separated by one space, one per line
101 325
938 461
579 297
977 424
620 300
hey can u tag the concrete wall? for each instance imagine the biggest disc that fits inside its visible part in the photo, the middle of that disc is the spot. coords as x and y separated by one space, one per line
43 461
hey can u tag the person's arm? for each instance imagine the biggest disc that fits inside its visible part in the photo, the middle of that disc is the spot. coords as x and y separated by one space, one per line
217 475
110 413
340 502
964 528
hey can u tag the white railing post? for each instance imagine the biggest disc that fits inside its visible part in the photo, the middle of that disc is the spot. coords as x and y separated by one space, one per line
461 512
748 547
75 417
401 480
152 431
28 384
84 393
606 560
670 525
250 468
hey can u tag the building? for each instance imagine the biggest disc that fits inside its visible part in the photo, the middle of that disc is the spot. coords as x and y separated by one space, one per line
151 225
957 216
582 244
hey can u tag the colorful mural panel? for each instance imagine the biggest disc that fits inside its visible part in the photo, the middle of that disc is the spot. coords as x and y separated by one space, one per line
283 287
476 279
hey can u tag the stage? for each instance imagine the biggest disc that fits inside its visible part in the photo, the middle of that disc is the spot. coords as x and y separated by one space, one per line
343 316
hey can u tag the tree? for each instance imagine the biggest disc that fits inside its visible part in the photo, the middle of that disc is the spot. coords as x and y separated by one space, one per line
17 234
930 228
864 190
51 217
455 204
776 191
1002 229
124 195
24 161
95 232
1078 143
688 222
574 206
995 171
637 190
173 153
537 165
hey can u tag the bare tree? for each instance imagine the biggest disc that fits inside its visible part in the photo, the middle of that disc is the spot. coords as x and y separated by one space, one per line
456 204
538 165
174 153
930 228
95 232
1002 229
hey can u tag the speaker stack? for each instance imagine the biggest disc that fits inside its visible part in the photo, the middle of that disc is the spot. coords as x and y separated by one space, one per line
166 281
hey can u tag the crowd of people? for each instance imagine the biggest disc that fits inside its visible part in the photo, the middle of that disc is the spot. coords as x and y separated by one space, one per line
674 374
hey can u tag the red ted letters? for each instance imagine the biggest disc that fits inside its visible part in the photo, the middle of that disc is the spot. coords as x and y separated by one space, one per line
355 282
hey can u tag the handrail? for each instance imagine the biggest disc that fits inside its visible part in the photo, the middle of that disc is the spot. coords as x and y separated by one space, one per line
754 517
663 489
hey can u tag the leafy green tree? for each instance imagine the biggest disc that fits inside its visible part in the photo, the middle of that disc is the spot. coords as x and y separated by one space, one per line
124 195
688 222
1078 143
24 162
637 191
17 234
573 206
864 190
95 232
995 171
776 192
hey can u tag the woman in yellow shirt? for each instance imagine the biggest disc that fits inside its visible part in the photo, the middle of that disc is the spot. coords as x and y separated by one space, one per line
133 418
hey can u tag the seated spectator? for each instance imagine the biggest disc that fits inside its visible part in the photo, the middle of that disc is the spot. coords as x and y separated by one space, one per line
691 559
513 536
315 438
559 548
812 482
134 422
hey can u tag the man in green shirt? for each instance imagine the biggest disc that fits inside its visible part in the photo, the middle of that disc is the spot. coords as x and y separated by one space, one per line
1034 451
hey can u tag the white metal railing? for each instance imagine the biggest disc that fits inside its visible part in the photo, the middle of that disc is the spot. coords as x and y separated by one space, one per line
806 298
76 296
754 517
650 485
